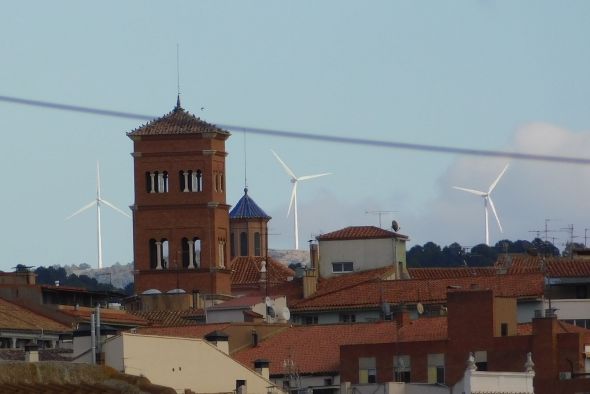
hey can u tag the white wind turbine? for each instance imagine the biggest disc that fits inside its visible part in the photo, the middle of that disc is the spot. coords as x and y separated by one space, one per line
99 200
293 203
487 198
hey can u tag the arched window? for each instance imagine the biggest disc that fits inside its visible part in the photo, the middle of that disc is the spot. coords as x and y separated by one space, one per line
221 252
199 177
243 244
165 254
197 252
185 253
257 244
153 254
156 181
183 177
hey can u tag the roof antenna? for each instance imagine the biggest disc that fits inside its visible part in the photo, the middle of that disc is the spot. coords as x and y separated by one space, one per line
245 164
177 76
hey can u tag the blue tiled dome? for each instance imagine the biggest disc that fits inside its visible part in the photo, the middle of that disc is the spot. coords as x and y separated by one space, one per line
246 208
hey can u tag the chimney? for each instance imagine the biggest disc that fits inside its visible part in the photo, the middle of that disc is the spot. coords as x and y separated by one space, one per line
402 316
32 353
313 255
219 339
262 367
310 278
254 338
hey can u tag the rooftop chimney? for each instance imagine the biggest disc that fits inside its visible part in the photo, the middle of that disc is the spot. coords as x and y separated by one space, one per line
262 367
32 353
219 339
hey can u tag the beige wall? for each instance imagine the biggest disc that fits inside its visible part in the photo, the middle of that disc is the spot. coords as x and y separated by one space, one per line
504 312
365 254
181 363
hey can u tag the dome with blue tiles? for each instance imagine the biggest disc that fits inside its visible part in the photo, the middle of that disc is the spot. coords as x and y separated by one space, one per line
246 208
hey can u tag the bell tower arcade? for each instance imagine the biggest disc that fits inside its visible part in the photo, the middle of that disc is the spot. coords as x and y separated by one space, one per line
180 215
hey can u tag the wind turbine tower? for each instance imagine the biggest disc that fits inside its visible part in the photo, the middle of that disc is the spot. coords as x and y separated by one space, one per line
293 202
98 202
487 201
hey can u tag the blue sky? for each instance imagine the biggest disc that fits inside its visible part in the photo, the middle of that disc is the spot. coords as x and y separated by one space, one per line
478 74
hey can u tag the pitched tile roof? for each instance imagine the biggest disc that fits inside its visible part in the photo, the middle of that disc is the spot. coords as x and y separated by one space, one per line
450 272
245 271
44 354
195 331
562 328
167 318
556 267
315 349
246 208
360 232
110 316
373 293
16 317
177 121
240 302
424 329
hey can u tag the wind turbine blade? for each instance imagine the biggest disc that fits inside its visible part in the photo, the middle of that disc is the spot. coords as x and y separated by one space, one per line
495 213
306 177
293 196
97 180
285 167
105 202
85 207
493 185
482 194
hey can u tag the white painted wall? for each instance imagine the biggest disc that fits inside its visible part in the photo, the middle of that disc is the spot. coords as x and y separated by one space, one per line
365 254
570 309
181 363
495 382
399 388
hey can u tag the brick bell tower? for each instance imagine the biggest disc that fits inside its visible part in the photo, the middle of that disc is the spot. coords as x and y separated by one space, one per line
180 217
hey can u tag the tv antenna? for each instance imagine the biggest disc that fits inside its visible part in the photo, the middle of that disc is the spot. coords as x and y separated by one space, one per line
380 214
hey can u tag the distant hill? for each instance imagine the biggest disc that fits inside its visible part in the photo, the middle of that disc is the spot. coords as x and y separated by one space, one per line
288 257
119 275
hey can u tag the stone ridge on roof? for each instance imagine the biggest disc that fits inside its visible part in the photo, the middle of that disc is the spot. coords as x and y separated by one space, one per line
177 121
246 208
360 232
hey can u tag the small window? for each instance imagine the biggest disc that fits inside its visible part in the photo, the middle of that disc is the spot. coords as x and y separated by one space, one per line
402 368
347 318
309 320
367 370
504 329
341 267
436 368
481 360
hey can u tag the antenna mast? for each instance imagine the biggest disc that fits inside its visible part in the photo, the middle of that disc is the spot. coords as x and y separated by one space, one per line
379 213
178 69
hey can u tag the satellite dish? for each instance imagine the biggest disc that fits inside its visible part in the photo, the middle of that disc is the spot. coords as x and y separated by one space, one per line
286 314
268 301
420 308
394 225
270 311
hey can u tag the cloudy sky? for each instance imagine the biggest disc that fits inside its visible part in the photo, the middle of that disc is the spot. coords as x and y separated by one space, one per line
509 76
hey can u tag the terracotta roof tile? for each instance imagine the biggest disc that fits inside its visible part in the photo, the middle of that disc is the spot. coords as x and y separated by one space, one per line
556 267
16 317
110 316
450 272
315 349
424 329
373 293
195 331
166 318
245 271
178 121
360 232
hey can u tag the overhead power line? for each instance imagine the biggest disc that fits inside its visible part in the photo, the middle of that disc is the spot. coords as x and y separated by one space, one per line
316 137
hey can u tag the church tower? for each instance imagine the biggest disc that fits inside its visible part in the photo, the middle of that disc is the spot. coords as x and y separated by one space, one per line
180 215
248 229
